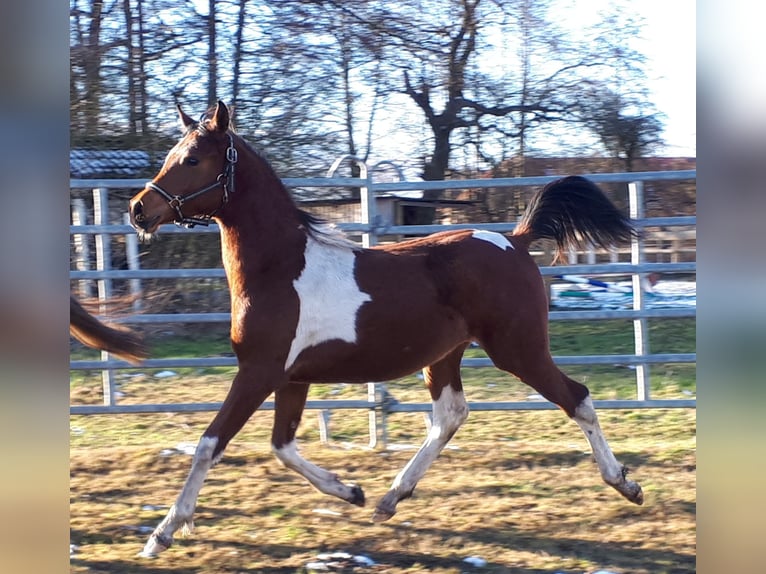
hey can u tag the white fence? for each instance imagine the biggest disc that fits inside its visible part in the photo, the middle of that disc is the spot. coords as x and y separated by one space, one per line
378 401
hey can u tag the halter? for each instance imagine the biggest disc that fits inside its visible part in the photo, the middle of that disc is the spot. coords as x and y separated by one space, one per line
225 179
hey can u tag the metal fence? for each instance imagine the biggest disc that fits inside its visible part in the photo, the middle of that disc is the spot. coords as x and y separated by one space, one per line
379 402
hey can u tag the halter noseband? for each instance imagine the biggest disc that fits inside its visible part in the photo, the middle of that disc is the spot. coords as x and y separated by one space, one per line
225 179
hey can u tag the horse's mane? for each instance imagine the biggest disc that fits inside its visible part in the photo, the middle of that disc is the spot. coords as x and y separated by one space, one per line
317 228
325 232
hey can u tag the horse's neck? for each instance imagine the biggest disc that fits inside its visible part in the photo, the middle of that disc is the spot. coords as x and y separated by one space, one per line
260 229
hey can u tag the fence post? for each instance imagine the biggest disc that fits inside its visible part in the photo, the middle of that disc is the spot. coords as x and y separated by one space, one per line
367 196
372 395
81 245
103 243
103 263
640 326
131 254
323 417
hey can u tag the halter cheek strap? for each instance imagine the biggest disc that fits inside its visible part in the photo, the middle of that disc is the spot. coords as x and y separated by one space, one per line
225 180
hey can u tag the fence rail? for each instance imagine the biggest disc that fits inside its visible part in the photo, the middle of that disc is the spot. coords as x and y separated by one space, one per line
378 402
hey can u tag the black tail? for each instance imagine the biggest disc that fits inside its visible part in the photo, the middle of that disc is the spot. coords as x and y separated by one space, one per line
91 332
574 212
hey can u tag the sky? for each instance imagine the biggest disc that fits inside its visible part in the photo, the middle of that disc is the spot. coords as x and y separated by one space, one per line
668 40
670 46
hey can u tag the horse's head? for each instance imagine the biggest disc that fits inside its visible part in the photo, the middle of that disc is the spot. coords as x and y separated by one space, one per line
196 179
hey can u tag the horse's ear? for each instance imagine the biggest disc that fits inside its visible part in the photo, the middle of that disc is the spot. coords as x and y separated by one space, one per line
186 121
220 121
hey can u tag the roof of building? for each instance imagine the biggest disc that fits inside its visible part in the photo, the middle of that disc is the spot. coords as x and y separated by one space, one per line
91 163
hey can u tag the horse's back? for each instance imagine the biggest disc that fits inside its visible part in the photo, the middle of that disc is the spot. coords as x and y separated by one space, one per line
474 272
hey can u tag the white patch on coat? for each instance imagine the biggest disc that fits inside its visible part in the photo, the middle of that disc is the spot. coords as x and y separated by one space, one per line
323 480
329 298
181 513
449 412
585 417
201 463
495 238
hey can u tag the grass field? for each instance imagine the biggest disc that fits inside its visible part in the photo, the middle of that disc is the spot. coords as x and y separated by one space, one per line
518 489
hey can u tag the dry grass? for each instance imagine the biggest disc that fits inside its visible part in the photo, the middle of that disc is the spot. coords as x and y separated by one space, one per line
517 489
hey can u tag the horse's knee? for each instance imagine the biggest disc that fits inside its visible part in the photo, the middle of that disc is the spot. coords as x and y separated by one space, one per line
450 411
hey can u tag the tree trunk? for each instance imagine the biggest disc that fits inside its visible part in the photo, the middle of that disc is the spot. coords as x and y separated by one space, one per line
238 42
131 67
92 65
143 118
212 61
436 168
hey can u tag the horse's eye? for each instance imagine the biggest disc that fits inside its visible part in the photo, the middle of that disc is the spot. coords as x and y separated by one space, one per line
191 161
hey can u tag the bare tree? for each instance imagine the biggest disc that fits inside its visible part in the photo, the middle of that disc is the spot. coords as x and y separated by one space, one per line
86 55
135 61
541 83
625 130
310 80
238 52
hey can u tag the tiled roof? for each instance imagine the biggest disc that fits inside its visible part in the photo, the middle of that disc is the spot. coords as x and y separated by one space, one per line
88 163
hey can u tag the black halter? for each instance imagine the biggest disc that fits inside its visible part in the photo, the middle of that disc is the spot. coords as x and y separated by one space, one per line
225 179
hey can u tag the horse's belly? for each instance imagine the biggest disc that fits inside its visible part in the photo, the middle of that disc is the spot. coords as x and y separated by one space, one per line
382 360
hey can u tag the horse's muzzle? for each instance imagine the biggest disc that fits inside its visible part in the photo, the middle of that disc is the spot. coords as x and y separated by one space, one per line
139 220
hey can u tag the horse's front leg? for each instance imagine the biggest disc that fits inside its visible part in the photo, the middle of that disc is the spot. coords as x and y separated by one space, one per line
244 397
289 403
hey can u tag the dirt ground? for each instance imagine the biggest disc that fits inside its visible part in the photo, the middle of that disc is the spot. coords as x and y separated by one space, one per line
515 492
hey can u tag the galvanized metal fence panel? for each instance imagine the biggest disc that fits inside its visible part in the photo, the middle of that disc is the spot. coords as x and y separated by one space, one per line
378 402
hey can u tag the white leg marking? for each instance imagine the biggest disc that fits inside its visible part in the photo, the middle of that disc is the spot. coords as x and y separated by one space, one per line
323 480
449 412
585 417
492 237
181 513
329 297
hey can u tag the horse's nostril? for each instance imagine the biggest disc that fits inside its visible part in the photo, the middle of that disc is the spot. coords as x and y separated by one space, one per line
138 214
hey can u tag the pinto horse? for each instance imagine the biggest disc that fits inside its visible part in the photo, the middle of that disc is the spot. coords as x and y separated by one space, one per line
91 332
310 306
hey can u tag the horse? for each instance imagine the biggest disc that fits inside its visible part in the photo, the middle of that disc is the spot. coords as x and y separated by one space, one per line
91 332
308 305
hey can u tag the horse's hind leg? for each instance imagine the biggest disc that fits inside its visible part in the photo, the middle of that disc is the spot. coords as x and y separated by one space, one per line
449 412
537 369
243 399
612 471
289 403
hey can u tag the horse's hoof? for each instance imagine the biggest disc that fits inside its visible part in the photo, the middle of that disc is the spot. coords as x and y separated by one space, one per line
638 496
383 511
357 496
155 545
381 515
632 491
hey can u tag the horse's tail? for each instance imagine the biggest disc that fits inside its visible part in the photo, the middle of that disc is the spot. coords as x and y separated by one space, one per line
575 213
91 332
